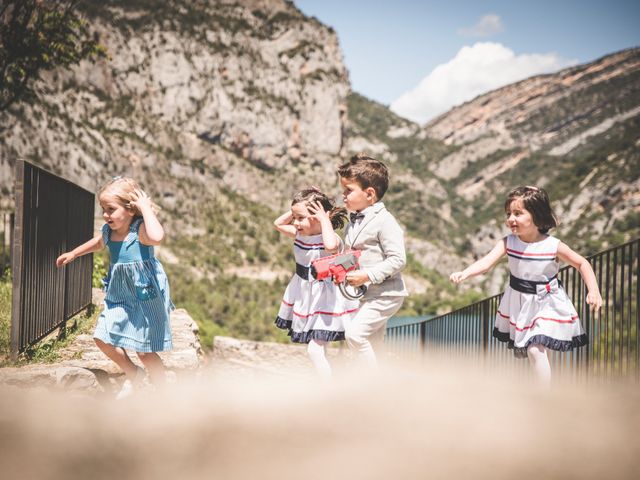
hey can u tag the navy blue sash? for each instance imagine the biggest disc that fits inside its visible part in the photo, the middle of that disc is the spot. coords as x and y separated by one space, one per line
302 271
527 286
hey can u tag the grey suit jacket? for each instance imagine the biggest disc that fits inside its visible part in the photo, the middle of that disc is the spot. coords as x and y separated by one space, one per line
381 241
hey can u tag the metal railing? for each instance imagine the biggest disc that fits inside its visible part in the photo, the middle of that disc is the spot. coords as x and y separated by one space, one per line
52 215
614 331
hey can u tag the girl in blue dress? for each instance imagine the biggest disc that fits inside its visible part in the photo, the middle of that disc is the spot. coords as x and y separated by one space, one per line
137 302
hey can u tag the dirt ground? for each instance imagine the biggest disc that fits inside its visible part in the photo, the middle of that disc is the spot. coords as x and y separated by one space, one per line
432 419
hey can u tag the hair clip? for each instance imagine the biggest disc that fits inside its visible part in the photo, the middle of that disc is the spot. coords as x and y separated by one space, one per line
117 177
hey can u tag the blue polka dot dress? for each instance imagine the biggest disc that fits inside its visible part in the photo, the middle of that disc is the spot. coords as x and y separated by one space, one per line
137 301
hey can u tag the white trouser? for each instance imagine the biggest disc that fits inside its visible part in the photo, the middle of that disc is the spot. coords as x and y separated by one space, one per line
365 331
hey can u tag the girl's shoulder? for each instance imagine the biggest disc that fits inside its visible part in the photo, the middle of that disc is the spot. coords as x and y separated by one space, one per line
134 229
106 233
308 242
547 243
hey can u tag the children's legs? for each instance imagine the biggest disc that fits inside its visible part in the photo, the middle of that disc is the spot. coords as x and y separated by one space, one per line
119 356
540 362
317 354
154 365
367 328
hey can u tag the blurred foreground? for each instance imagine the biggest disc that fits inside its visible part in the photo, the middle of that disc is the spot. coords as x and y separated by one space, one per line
441 420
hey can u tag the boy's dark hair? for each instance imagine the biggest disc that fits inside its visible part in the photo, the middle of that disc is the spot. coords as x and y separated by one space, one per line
535 201
337 215
367 172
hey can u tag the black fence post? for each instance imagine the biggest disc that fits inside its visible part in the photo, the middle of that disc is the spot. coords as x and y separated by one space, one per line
485 326
16 261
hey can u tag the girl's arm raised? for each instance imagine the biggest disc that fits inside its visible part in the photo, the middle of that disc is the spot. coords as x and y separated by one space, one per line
92 245
283 224
329 237
581 264
483 265
151 231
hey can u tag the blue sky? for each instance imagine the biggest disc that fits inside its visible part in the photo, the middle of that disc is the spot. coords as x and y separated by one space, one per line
390 47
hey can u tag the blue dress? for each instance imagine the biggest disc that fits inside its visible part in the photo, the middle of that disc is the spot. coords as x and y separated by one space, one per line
137 301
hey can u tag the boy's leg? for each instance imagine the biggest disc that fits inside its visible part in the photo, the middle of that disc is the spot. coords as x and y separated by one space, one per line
366 330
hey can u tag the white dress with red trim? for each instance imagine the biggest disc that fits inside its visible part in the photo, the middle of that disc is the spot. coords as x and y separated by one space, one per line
535 309
313 309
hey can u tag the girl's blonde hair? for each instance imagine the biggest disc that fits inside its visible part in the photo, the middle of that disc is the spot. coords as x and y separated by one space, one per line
121 189
337 215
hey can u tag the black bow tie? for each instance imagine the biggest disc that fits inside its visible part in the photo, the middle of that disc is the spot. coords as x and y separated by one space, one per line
353 216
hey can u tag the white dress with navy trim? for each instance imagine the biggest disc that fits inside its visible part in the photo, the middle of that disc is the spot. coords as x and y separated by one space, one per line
546 317
137 303
313 309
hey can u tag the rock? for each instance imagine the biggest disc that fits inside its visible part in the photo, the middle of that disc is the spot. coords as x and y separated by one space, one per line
86 369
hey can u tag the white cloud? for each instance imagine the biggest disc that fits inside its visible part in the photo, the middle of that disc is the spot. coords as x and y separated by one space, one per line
488 25
474 70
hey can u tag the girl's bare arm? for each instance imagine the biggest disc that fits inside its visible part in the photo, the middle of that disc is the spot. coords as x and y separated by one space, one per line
92 245
483 265
577 261
283 224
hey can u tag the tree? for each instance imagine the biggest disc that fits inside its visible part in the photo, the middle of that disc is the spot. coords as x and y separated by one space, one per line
39 35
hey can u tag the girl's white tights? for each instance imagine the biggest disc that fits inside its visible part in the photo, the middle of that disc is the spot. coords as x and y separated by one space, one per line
317 354
540 362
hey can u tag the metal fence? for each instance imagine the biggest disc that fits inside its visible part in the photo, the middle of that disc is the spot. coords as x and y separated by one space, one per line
614 331
52 216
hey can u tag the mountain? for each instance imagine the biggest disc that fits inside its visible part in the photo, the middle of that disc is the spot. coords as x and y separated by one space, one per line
224 109
576 133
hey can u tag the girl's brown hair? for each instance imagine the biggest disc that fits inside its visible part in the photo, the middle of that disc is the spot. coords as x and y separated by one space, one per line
535 201
121 189
337 215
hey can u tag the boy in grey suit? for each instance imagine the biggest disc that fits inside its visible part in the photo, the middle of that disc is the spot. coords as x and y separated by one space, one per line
374 231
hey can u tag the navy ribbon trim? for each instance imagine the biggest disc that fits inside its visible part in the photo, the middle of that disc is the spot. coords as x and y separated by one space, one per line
527 286
544 340
303 272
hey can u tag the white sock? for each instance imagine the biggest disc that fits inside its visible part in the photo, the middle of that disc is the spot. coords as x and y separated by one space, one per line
316 351
540 362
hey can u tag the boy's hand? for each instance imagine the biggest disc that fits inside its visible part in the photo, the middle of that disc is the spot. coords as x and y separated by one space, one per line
356 278
456 277
65 258
594 300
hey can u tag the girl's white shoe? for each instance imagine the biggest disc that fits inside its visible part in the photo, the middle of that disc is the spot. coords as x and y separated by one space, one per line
129 386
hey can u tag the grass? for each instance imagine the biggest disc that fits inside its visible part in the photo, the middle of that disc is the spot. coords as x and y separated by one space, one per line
5 315
47 350
441 296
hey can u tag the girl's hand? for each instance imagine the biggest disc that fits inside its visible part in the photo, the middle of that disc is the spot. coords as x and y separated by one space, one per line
65 258
140 200
594 300
356 278
317 212
456 277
